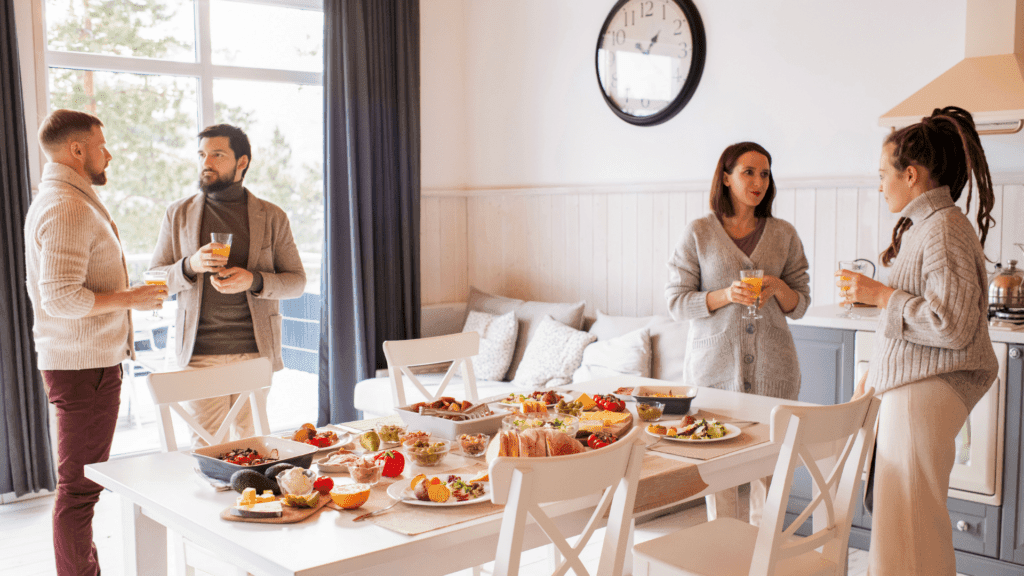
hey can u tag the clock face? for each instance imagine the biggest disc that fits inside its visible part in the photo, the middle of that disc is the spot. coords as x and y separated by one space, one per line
650 56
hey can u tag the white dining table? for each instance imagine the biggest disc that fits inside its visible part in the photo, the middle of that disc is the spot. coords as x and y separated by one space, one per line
162 491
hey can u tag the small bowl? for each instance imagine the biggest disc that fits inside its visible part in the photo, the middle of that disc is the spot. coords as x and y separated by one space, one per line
432 454
414 435
390 434
366 474
650 411
474 444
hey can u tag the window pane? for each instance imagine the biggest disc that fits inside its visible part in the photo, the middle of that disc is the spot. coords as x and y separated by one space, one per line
285 127
163 29
262 36
150 128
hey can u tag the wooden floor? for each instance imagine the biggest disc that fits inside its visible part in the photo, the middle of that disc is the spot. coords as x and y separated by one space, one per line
26 543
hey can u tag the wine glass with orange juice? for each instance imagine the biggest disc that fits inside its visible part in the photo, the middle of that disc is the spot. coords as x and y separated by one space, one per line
220 244
754 279
844 286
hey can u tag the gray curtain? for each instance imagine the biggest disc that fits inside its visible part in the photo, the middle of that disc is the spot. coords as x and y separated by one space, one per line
25 464
371 266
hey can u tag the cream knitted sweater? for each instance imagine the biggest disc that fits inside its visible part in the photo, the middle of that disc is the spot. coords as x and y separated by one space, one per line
71 253
935 322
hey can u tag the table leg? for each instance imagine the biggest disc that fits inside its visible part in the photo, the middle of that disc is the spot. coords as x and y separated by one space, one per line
724 503
145 542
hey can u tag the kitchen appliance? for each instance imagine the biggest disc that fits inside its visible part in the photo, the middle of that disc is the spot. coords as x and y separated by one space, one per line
978 470
1006 292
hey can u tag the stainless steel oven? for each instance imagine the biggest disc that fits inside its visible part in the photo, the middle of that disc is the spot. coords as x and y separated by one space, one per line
978 471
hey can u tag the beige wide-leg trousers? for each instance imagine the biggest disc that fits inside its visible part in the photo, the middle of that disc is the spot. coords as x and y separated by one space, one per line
911 534
210 412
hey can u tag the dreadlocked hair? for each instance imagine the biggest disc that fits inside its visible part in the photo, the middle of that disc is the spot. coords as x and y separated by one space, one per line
948 146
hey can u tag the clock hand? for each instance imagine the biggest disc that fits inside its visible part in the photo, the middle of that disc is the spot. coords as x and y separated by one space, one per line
651 45
640 48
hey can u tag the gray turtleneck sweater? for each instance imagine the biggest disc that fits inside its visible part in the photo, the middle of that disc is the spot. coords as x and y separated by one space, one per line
934 324
225 321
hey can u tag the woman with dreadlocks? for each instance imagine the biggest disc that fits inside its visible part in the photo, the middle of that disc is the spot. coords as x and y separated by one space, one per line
933 359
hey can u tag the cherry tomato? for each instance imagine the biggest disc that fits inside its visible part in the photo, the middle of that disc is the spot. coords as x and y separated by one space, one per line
323 485
601 439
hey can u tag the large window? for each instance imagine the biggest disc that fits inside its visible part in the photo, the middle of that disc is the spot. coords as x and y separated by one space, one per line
155 72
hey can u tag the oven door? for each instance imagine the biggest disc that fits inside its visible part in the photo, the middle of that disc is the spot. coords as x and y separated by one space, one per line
977 473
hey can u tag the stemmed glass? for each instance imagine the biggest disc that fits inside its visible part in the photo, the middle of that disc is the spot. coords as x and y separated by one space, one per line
844 286
155 277
752 278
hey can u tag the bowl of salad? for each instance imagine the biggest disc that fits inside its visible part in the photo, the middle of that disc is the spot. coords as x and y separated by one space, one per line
568 424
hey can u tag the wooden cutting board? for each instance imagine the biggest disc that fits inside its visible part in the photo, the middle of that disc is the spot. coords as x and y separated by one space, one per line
290 515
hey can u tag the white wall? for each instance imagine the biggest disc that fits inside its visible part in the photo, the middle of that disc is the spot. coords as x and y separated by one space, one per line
808 79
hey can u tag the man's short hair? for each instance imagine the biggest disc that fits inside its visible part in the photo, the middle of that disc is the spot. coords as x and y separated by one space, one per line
237 140
63 124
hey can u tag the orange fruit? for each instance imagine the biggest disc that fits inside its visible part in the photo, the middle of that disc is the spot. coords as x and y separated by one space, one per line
438 492
435 480
416 480
483 477
349 496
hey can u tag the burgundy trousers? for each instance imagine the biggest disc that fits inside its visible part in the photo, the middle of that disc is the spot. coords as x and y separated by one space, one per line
87 402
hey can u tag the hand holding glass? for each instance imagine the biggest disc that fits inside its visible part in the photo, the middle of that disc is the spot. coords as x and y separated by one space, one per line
221 245
752 278
844 286
155 277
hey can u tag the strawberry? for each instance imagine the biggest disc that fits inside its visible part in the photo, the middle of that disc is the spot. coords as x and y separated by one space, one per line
394 463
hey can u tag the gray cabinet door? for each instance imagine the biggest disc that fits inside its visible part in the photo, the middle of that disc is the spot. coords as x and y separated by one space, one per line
826 377
1011 547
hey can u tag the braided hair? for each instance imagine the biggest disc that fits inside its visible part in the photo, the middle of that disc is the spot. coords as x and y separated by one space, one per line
948 146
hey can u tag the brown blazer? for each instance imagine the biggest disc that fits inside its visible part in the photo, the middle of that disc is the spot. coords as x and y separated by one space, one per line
272 253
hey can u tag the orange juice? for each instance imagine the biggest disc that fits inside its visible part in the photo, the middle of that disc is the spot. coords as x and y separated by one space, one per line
223 250
754 283
156 282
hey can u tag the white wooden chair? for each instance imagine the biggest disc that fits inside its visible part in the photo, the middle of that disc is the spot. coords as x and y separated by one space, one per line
250 379
840 437
403 355
523 484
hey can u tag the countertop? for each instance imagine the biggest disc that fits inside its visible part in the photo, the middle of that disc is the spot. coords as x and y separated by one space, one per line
828 317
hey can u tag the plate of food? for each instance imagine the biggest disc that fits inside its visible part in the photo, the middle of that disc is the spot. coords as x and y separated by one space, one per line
449 490
321 438
698 432
548 397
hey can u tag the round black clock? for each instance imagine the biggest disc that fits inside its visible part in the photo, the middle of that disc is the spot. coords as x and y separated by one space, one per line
650 56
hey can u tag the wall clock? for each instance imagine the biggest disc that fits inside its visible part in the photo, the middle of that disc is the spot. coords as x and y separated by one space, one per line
650 56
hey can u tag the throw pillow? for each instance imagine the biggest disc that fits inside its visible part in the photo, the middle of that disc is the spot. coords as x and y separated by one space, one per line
552 355
529 315
668 340
497 342
629 355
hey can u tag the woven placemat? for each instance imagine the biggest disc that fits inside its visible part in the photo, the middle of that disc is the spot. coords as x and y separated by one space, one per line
749 436
411 519
664 481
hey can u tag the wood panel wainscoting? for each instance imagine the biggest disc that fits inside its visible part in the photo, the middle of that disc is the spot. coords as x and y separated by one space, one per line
608 244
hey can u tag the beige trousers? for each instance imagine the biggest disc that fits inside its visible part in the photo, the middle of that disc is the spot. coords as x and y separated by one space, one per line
911 534
725 503
210 412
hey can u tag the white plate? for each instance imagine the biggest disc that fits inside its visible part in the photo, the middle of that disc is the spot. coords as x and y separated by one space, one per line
567 395
731 432
401 489
343 438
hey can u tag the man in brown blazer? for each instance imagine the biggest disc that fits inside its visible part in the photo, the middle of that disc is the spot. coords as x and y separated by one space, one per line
227 305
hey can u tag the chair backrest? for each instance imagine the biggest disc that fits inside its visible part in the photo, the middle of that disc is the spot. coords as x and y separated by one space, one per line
523 484
458 349
249 378
832 442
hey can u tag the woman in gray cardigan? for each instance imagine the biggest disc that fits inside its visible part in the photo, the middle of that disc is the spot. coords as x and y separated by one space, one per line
933 360
727 351
704 287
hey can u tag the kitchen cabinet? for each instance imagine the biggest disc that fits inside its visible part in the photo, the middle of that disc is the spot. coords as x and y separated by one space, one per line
988 539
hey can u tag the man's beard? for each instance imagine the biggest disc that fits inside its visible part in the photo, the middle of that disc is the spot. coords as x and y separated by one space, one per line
99 178
220 183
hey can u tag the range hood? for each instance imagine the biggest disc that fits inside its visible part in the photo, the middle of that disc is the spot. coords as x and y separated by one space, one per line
988 82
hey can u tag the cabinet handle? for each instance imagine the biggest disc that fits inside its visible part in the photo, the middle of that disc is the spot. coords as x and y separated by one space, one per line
1014 353
963 526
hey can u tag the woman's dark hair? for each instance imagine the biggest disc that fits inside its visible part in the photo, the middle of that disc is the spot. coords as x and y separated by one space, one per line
237 140
721 202
948 146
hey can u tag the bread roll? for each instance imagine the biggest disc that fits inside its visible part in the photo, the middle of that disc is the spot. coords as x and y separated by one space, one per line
532 443
509 444
561 444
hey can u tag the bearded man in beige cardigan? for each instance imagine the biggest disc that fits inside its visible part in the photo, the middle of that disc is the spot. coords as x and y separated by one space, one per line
77 281
228 307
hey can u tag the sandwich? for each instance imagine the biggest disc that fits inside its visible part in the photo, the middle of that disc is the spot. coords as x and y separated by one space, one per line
533 443
561 444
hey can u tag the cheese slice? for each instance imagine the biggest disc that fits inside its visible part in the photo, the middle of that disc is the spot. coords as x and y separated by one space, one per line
609 418
591 425
588 402
259 510
267 496
248 497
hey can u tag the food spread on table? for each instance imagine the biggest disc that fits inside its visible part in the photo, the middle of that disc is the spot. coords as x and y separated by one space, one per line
473 444
426 453
391 433
691 429
537 442
440 491
546 397
444 403
297 487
